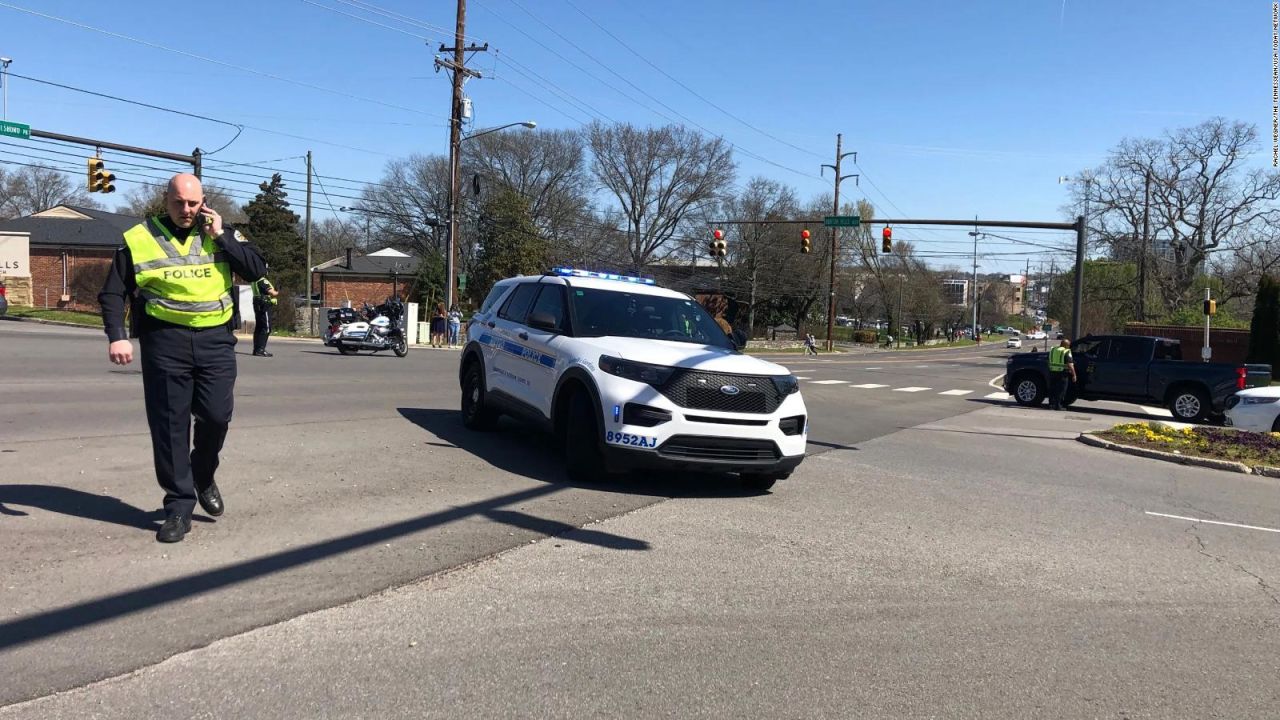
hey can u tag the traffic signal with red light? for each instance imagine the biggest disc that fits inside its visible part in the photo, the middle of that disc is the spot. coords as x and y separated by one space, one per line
805 245
719 248
99 179
886 240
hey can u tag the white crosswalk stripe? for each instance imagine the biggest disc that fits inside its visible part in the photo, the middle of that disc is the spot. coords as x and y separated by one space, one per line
998 396
828 382
955 392
869 386
911 389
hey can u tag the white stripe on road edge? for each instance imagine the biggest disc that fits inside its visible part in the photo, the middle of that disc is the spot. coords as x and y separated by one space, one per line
911 389
828 382
870 368
992 382
801 377
998 396
922 366
1158 412
869 386
956 392
1214 522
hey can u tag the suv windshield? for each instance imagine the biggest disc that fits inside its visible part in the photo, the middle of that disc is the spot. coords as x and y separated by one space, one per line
653 317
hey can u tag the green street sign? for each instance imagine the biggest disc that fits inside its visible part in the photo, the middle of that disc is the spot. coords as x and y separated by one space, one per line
842 221
15 130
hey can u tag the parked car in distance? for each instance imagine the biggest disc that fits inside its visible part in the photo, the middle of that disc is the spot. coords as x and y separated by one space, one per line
1137 369
1013 342
1256 409
1037 335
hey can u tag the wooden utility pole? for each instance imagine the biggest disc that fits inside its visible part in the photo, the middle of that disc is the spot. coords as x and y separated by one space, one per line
1142 259
835 245
460 73
311 323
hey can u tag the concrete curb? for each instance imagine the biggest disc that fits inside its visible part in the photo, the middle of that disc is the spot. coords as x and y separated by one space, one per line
51 322
1266 471
1227 465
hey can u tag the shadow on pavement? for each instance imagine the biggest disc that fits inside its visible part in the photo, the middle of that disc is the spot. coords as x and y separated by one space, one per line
516 449
554 528
1077 409
78 503
1069 438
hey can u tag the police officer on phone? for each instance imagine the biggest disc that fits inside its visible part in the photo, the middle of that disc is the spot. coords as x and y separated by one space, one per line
174 272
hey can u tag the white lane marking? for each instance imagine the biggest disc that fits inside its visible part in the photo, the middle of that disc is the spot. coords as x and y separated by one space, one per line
1158 412
870 368
1214 522
801 377
955 392
828 382
911 389
869 386
993 382
998 396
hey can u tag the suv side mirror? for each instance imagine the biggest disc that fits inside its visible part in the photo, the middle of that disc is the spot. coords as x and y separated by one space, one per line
739 338
543 320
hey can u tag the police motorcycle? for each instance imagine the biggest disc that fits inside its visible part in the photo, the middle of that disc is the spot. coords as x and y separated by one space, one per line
382 329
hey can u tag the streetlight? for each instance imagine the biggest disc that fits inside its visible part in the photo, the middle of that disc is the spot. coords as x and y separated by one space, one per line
4 81
455 147
1082 249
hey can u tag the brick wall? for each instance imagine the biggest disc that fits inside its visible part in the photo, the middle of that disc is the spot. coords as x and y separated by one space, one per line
335 290
86 270
1229 346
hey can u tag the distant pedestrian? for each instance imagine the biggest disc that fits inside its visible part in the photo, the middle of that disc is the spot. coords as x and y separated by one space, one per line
439 326
810 345
455 325
1061 367
264 306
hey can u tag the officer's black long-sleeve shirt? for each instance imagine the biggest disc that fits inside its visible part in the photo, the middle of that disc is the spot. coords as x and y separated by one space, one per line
121 285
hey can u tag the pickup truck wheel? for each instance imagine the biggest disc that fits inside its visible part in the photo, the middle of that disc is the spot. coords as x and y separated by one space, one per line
1028 390
1189 404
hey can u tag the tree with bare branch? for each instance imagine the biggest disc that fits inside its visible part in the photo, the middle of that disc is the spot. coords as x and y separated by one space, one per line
29 190
657 176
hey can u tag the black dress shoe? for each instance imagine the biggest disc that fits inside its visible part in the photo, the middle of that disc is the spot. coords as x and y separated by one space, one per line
262 353
174 529
211 500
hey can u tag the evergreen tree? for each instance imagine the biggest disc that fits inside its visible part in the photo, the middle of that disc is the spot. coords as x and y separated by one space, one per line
1264 331
273 229
510 243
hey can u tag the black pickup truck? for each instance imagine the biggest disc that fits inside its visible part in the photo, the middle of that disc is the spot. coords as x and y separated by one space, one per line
1136 369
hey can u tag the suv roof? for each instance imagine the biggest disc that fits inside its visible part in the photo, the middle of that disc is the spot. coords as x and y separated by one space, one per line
600 281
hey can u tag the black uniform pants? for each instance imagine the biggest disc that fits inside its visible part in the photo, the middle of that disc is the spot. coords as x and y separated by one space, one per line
1057 389
187 373
261 324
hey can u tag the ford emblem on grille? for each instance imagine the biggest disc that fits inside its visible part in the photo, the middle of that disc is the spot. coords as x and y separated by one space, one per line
729 389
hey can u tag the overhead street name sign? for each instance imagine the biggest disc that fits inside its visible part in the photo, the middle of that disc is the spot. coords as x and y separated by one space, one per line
842 221
14 130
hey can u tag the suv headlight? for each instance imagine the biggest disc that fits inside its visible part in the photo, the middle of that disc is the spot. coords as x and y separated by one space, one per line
1257 400
640 372
786 384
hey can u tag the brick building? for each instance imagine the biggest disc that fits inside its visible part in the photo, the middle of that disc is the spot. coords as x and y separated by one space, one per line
70 253
357 279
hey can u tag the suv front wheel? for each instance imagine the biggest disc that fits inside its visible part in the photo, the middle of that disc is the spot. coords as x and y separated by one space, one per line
475 414
584 460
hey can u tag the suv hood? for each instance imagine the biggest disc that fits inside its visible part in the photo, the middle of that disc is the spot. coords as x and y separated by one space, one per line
679 354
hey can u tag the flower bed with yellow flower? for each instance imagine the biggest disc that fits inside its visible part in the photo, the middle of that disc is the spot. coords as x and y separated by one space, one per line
1250 448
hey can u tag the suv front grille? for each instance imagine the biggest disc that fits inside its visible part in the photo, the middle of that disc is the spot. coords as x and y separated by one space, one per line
702 391
716 448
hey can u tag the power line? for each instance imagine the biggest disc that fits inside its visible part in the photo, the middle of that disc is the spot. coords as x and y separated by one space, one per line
233 66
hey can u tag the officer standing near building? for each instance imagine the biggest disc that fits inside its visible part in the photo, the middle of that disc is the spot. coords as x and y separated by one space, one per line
264 302
175 274
1061 365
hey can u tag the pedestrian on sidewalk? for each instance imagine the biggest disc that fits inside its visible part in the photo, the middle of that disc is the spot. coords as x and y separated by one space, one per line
455 325
174 272
810 345
264 306
439 326
1061 367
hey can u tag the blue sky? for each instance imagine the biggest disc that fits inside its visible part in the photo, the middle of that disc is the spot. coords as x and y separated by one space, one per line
955 109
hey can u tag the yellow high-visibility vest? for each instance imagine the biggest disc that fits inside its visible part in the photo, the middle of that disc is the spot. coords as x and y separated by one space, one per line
185 283
1058 359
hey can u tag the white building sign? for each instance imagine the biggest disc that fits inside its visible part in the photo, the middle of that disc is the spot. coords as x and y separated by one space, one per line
15 254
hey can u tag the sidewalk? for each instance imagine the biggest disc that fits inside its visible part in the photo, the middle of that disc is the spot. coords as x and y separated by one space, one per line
987 565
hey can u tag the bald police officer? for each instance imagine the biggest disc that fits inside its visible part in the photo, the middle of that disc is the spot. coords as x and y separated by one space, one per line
175 273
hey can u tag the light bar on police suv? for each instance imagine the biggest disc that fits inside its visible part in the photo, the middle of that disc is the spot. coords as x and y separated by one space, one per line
574 272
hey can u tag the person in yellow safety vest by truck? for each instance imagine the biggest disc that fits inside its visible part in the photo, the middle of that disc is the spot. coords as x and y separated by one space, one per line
1061 365
174 272
264 302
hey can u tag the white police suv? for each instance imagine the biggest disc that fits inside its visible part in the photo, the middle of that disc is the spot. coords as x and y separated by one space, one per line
628 375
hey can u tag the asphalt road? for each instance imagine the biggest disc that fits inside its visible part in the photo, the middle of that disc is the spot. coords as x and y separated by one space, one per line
930 561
